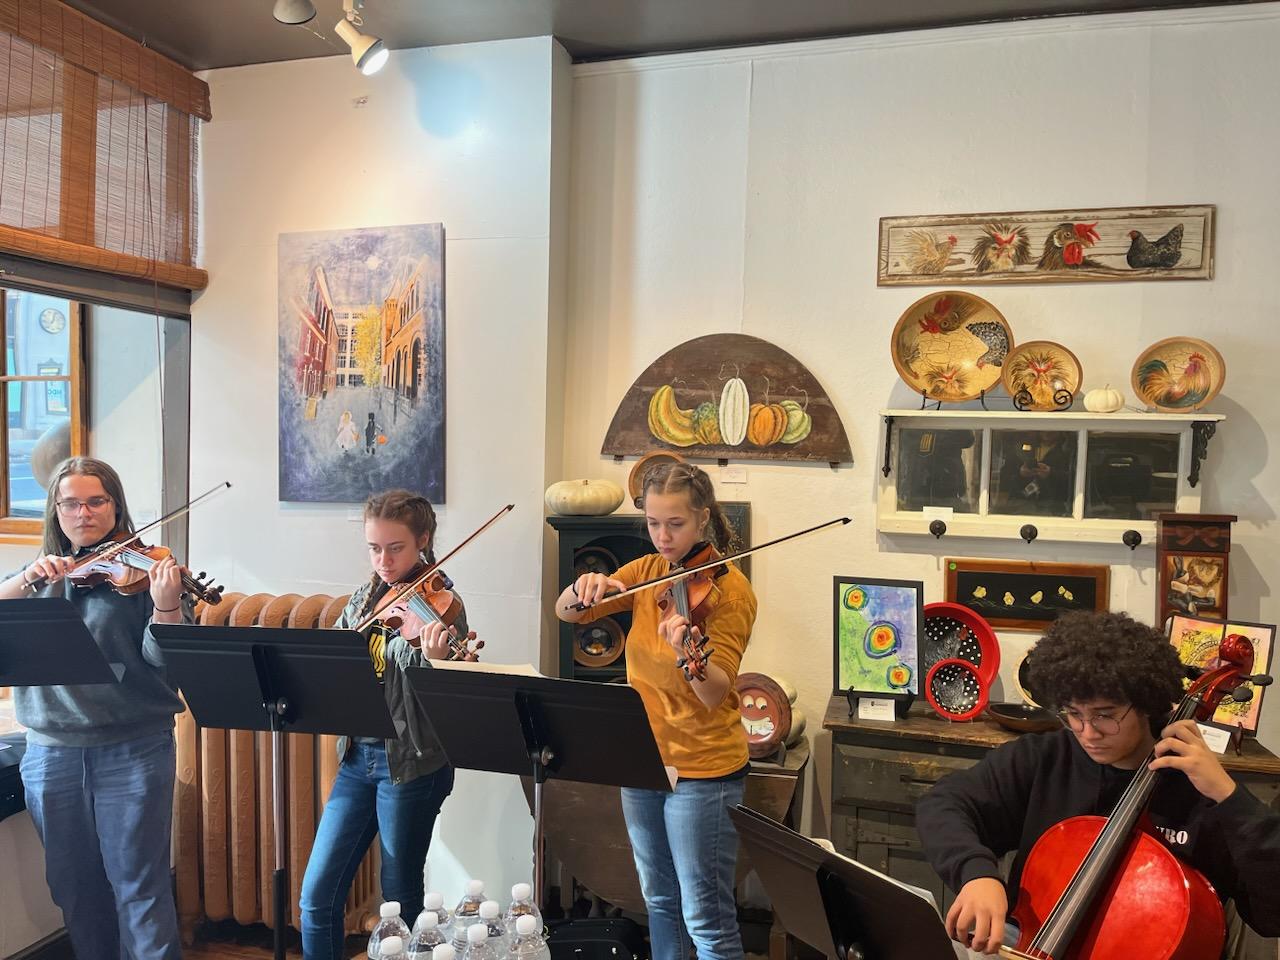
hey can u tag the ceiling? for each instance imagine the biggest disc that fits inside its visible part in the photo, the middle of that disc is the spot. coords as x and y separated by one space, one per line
203 34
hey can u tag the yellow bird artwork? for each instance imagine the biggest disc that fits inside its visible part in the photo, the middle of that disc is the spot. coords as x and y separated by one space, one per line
1066 594
1037 596
979 592
1008 599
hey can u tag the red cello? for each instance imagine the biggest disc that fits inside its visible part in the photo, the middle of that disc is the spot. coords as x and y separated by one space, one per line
1104 888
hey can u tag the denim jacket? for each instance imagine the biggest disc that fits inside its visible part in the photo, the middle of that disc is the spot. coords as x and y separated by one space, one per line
416 752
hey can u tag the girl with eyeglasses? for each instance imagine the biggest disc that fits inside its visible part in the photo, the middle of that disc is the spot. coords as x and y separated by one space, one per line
98 769
1114 682
684 844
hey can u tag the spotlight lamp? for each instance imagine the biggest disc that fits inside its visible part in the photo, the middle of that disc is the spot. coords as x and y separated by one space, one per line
368 52
294 11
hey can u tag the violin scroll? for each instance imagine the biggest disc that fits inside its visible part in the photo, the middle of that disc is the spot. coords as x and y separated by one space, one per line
693 657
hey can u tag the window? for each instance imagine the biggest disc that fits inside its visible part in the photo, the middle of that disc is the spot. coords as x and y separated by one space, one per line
43 410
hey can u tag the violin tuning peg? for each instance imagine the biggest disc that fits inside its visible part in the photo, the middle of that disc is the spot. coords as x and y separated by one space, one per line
200 575
1260 680
1242 694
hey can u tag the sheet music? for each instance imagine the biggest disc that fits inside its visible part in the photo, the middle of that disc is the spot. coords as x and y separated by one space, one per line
479 666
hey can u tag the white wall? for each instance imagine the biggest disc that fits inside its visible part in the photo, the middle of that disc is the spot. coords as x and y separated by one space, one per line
461 135
740 191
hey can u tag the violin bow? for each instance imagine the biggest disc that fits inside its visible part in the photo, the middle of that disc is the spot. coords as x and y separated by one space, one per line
689 571
116 547
424 577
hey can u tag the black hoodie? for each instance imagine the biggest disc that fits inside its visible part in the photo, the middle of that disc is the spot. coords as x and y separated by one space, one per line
1018 791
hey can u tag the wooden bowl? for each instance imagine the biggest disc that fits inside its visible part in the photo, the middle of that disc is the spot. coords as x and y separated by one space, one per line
950 346
1022 718
766 713
636 477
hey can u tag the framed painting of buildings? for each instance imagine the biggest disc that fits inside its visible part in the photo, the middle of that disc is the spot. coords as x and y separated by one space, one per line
1048 246
361 347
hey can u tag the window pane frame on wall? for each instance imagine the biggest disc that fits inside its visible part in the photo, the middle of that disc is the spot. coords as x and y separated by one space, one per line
27 530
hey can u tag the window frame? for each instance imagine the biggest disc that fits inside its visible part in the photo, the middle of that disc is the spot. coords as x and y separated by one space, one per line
30 530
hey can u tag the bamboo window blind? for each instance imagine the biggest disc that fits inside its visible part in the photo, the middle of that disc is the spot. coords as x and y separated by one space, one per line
98 143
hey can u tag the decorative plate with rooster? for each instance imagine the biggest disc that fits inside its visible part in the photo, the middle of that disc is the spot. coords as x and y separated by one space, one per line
951 346
1048 372
1179 375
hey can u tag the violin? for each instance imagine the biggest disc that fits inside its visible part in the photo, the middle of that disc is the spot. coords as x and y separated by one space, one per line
694 597
430 601
126 565
1104 888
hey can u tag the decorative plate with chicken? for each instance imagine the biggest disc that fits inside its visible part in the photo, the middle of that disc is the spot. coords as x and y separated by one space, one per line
1179 375
1042 375
951 346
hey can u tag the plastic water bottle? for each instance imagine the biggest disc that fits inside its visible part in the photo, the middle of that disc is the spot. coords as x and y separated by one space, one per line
390 926
478 945
434 903
521 905
391 948
528 943
426 936
444 952
491 917
466 913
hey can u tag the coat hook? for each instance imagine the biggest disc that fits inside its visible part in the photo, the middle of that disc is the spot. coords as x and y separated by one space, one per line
1131 539
937 528
1028 532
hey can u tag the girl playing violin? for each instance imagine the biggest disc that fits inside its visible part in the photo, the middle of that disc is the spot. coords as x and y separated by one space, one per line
1113 681
99 765
395 788
684 843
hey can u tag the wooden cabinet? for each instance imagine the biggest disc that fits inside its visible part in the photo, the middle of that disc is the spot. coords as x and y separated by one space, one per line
879 771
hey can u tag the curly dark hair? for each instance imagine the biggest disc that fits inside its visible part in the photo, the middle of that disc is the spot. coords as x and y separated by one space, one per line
1085 655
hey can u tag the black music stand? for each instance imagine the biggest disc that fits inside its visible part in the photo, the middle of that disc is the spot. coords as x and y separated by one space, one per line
836 905
43 642
506 723
270 679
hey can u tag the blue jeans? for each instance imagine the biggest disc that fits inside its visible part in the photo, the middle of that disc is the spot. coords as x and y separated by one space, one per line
105 816
686 850
364 804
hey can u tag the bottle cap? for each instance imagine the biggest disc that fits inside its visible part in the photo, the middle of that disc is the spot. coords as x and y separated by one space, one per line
525 925
391 947
521 891
428 920
389 909
433 901
475 888
476 933
444 951
489 910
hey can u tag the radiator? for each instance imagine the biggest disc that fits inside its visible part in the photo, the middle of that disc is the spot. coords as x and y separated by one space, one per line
223 828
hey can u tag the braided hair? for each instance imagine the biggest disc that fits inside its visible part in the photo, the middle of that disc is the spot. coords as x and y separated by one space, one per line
672 477
411 509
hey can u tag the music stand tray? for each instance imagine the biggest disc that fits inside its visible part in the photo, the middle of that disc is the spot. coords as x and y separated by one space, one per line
43 642
276 679
547 727
836 905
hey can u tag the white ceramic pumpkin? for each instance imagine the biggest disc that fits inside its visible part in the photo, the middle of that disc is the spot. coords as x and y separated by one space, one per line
584 498
1104 400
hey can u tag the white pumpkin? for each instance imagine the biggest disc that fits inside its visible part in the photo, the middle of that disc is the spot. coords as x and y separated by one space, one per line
1104 400
735 406
584 498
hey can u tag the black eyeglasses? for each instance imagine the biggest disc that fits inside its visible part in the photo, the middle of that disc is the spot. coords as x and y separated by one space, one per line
1105 725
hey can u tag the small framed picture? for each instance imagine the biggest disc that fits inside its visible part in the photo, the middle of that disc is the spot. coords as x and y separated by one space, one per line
1197 638
1026 595
876 636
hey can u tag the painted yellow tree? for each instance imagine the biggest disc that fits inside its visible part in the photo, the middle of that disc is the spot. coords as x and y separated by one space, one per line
368 348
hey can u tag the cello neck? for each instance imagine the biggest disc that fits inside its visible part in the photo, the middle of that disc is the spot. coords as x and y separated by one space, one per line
1093 875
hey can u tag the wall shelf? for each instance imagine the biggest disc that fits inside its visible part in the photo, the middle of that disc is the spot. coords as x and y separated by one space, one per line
961 472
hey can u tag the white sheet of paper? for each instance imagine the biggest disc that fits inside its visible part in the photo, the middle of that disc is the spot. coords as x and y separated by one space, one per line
875 708
479 666
1217 738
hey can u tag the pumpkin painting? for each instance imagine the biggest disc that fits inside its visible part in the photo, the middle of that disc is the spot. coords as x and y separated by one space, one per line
734 410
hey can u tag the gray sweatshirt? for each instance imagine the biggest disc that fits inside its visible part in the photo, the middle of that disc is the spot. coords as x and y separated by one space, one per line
92 715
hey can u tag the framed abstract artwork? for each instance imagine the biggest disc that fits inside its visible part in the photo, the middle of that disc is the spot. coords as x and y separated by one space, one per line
1026 595
1197 638
876 636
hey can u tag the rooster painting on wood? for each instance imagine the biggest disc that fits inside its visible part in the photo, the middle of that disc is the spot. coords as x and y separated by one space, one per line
1162 254
1001 247
927 254
1179 390
1064 247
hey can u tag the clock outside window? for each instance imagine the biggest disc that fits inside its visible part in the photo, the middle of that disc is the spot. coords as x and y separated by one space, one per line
52 321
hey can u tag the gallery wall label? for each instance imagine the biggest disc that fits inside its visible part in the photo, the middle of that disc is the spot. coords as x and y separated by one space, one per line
1048 246
728 396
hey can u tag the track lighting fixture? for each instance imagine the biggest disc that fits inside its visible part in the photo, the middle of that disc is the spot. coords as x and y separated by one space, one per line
294 11
368 52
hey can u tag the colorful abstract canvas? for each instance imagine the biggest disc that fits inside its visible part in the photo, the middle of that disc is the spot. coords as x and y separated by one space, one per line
1196 639
361 340
877 631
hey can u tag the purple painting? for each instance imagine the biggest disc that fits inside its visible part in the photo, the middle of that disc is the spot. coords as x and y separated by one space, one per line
361 362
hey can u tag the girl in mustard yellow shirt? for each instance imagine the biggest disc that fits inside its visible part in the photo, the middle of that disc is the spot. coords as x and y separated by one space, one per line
684 843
